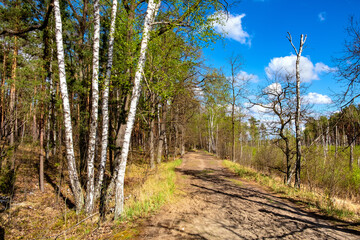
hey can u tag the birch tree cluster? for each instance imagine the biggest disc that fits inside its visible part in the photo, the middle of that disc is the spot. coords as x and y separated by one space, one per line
97 81
95 85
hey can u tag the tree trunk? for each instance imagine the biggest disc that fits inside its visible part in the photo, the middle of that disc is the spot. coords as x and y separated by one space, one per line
50 108
233 131
13 94
351 156
2 99
151 136
298 109
166 146
105 102
336 141
41 136
161 126
151 12
182 141
90 189
176 140
34 123
73 175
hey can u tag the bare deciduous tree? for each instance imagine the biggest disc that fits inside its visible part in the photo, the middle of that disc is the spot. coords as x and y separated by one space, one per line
298 107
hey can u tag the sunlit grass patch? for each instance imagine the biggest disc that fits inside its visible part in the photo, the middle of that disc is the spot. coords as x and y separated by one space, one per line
237 182
157 189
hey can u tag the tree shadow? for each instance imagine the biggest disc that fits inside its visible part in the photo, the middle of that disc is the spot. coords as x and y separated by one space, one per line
212 181
2 233
51 170
57 190
179 231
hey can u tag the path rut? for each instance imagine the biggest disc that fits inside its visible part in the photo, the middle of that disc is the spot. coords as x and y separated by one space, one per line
217 208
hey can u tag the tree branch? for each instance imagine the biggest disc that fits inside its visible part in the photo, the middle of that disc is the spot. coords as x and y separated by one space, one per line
10 32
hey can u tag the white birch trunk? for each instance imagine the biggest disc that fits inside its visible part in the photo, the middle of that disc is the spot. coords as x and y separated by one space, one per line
105 103
90 189
182 145
151 12
73 175
298 109
162 132
151 144
151 134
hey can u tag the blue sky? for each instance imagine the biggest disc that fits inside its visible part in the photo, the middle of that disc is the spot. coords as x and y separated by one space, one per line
257 30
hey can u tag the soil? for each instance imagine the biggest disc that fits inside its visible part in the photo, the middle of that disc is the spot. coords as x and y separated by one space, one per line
217 207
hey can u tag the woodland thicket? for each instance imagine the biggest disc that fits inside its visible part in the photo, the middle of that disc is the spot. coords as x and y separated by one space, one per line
92 84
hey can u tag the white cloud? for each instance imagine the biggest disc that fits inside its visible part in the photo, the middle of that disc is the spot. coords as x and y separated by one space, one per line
321 67
317 98
283 66
259 112
254 109
248 77
322 16
258 109
229 109
198 91
274 88
231 26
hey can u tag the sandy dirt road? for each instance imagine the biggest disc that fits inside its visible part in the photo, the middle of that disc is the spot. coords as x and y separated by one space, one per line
217 208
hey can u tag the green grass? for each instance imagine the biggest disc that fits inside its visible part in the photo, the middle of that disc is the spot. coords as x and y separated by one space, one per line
147 194
305 198
157 190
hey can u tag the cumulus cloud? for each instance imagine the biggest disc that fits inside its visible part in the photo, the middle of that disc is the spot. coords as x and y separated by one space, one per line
198 91
321 67
282 66
254 109
258 109
322 16
242 75
231 26
258 112
274 88
317 98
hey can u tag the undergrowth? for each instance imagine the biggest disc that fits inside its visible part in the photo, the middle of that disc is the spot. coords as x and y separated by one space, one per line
145 192
307 198
45 218
150 196
157 190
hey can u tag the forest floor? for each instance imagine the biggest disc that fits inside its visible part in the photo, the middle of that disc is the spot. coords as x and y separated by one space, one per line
219 205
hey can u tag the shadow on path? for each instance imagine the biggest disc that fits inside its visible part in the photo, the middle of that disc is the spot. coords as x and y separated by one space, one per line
211 182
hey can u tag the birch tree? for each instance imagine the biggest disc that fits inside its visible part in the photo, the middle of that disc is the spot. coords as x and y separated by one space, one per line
90 190
236 87
298 107
105 102
151 12
162 130
73 175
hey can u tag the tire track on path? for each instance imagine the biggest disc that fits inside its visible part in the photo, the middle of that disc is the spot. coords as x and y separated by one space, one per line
217 208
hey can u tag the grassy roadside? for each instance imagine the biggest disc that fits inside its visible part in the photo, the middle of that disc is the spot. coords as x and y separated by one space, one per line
157 190
41 217
310 200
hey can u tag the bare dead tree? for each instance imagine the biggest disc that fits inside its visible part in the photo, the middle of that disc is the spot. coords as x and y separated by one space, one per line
237 85
277 99
348 64
298 106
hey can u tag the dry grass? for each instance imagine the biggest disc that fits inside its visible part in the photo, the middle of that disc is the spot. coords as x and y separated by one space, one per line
341 209
37 215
